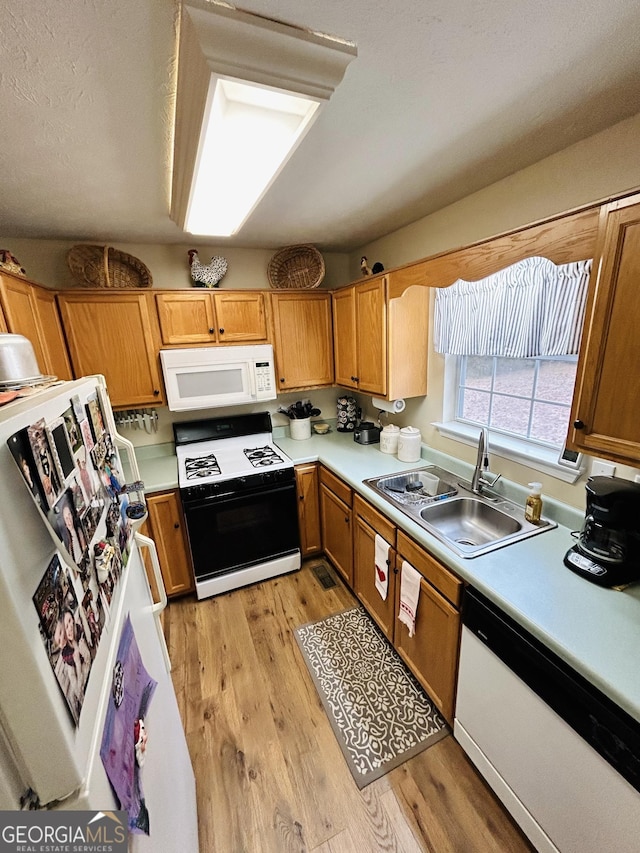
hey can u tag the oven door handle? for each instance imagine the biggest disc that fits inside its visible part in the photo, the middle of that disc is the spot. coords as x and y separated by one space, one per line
232 497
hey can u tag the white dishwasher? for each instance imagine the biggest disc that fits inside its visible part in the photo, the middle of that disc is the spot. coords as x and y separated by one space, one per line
562 757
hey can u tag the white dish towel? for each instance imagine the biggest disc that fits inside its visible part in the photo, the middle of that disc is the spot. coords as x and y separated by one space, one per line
381 567
409 594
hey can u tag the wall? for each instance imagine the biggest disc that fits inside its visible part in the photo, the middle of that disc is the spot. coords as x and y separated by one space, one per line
45 262
603 165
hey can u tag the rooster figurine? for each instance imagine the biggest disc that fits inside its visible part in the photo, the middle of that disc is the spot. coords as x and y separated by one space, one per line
206 275
364 266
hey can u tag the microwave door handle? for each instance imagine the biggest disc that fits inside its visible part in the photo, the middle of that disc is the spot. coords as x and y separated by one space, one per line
252 381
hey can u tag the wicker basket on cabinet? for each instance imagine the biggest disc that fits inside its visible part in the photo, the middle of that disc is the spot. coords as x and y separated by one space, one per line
296 267
104 266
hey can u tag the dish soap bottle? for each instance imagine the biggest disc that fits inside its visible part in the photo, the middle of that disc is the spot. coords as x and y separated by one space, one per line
533 506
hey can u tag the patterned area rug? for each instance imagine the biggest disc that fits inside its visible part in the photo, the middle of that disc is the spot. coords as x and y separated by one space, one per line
378 711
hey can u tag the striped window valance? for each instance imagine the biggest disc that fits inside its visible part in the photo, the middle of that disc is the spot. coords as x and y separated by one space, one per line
533 308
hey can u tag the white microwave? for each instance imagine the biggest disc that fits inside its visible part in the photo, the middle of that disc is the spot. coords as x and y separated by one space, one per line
209 377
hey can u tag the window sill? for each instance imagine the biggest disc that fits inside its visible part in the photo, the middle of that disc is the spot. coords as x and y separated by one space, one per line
539 458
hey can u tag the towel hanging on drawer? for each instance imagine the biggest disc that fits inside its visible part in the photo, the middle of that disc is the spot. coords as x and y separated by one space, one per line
381 567
409 594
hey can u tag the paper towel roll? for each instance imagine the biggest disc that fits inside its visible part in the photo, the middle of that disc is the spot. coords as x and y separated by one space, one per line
395 406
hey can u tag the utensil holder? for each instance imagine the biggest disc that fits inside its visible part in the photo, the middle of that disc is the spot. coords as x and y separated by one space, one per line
300 428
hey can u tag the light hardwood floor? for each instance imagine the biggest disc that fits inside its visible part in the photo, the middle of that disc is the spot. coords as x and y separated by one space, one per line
270 775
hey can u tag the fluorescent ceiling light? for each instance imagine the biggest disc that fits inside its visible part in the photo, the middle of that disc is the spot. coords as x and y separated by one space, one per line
249 88
248 134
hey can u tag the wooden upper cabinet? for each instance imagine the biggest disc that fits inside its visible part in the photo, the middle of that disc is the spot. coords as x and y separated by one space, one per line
200 317
186 318
116 334
604 417
371 337
360 336
344 337
31 311
302 339
381 344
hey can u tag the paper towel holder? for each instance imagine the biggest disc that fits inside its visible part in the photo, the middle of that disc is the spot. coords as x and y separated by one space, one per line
395 407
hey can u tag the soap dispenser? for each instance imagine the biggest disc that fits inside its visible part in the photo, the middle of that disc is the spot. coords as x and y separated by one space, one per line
533 506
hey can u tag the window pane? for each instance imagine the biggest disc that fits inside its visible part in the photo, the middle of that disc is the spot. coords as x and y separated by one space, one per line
475 406
508 413
549 423
556 380
515 376
478 372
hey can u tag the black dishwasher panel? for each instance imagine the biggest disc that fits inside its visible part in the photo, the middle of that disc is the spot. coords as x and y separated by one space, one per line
613 733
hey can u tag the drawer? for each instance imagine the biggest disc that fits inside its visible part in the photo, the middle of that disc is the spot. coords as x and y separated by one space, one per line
440 577
375 519
337 486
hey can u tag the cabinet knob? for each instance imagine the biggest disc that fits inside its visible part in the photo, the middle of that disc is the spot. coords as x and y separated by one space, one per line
221 331
301 497
282 379
176 526
156 392
346 519
578 424
211 331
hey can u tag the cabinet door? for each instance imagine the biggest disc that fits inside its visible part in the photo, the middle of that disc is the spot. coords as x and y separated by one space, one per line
604 417
371 329
186 318
303 340
336 532
432 653
308 508
21 315
367 523
344 337
115 334
167 530
240 316
56 356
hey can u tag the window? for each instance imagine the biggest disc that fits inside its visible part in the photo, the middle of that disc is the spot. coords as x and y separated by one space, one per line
525 397
525 404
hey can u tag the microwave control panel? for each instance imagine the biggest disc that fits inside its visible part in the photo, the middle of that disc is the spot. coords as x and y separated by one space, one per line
265 380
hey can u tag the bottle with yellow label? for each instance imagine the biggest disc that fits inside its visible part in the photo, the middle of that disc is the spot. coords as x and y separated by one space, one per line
533 506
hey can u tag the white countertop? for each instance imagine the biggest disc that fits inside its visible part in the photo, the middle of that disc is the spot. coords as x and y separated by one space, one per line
595 630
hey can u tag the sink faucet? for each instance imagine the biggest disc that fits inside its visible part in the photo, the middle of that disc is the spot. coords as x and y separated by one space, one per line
482 462
479 478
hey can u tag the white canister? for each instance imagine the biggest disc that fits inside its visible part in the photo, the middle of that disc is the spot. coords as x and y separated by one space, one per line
389 439
300 428
409 444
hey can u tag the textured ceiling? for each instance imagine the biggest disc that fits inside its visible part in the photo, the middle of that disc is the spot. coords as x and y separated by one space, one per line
443 99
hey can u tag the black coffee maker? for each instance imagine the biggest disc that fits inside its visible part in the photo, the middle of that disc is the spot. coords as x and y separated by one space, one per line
608 549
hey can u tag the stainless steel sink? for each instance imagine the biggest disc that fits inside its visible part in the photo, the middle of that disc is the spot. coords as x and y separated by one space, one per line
470 525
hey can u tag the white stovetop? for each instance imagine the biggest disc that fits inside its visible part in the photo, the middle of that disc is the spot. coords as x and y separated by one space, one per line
231 457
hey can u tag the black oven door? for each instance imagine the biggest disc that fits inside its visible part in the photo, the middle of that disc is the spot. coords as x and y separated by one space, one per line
228 533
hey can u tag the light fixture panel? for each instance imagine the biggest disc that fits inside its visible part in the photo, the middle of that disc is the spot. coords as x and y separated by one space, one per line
249 89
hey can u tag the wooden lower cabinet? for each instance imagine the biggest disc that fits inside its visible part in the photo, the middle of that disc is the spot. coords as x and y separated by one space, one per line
307 485
432 653
335 512
166 528
369 522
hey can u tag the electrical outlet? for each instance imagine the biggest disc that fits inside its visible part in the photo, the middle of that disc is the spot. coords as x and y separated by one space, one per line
602 469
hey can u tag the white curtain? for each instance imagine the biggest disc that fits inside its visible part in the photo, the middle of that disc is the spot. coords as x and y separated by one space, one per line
533 308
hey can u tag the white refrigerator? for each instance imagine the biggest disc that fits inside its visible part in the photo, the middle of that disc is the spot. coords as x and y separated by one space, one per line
70 550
